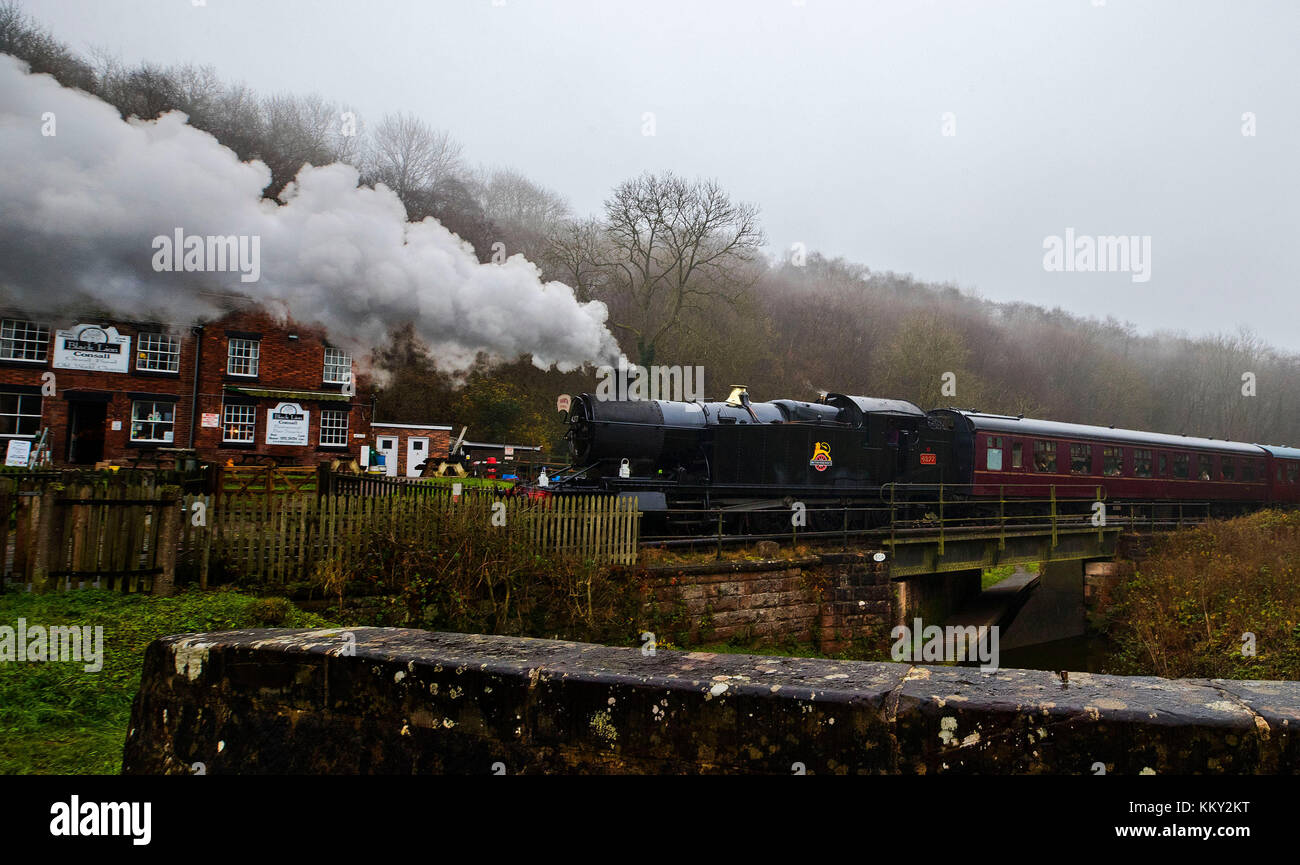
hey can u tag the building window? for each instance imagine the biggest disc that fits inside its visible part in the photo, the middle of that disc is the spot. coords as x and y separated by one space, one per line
1182 464
1204 467
239 423
333 427
152 421
338 366
20 414
1017 455
1045 457
1112 462
1080 459
23 340
158 352
1141 463
993 454
243 356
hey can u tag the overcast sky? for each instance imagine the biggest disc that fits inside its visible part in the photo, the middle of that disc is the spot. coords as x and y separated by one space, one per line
1109 117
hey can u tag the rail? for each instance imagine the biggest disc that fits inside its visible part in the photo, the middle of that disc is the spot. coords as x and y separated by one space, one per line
944 515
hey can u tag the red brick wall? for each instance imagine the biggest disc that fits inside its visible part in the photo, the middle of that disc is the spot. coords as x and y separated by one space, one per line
439 442
284 364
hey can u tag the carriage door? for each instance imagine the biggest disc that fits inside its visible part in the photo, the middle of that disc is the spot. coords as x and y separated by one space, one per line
417 451
387 445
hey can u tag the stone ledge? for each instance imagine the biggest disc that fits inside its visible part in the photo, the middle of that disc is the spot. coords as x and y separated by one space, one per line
281 701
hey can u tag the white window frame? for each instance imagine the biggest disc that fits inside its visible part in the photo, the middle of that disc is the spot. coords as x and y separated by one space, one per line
328 415
247 419
336 364
251 359
157 348
169 425
20 414
16 332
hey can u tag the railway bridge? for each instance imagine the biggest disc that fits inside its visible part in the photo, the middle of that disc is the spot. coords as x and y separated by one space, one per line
841 587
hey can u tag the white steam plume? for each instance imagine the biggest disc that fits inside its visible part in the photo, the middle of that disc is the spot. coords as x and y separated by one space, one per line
79 210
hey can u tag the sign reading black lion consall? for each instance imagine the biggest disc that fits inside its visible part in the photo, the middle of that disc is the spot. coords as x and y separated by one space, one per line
286 424
92 348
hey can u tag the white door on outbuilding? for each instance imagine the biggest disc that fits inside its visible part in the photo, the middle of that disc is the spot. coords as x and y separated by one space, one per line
387 445
417 451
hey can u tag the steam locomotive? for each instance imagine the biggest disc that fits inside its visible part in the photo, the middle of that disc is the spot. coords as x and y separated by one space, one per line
854 452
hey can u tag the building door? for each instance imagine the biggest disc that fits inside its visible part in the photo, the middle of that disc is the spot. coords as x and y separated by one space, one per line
387 445
86 432
417 451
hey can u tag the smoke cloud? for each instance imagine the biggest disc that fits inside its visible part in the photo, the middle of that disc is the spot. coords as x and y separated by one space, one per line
79 211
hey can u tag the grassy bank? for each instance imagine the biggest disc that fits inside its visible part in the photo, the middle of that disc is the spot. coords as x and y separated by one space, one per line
1206 597
57 718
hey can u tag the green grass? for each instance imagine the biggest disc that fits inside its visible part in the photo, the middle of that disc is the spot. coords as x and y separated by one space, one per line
993 576
471 482
56 718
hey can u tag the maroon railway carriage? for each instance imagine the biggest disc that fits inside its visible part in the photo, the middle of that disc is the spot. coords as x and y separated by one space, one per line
1014 456
1283 474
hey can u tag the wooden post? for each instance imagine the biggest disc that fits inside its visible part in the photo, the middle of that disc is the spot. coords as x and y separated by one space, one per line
168 541
205 532
43 538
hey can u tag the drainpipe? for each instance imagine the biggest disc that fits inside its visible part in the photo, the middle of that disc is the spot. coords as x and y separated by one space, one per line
194 387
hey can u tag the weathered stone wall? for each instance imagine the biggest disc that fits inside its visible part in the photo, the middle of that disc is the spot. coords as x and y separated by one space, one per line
827 600
378 700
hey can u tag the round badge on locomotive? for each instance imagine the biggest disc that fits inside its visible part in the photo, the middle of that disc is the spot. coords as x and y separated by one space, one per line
821 458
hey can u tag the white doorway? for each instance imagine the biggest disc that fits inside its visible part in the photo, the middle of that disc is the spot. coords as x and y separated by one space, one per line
387 445
417 451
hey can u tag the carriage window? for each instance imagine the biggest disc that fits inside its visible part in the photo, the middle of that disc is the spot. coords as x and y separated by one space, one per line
1203 467
1017 455
1248 471
1280 473
1142 463
1112 461
1228 468
1164 465
1044 456
1182 465
993 455
1292 472
1081 459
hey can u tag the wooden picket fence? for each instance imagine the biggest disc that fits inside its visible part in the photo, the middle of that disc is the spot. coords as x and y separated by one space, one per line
116 535
136 536
281 538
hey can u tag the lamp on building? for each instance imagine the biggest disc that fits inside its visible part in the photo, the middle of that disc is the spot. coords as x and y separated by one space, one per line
293 337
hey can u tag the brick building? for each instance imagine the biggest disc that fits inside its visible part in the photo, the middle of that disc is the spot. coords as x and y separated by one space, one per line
241 388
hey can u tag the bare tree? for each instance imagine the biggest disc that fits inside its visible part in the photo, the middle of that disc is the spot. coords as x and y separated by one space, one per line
411 157
676 245
576 252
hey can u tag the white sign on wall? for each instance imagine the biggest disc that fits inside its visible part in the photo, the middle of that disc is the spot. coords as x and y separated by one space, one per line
286 424
93 348
18 453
